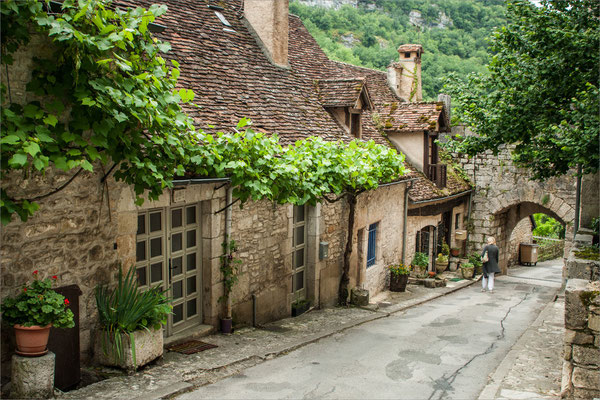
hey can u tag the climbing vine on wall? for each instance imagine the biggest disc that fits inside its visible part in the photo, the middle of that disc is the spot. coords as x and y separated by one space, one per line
105 95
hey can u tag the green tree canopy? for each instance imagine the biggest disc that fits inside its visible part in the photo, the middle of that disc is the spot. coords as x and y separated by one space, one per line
541 93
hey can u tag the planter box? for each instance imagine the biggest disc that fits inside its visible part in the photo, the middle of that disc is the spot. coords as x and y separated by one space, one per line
398 283
148 347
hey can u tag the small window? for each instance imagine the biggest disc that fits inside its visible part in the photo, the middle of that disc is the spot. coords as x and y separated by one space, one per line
355 126
457 221
372 244
407 55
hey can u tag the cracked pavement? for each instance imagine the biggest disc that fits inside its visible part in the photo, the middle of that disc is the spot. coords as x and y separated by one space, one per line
448 348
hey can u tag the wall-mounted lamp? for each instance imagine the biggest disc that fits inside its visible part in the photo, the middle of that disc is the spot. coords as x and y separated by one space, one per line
323 250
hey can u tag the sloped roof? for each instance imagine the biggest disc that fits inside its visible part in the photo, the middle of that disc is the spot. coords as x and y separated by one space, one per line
410 117
232 78
342 92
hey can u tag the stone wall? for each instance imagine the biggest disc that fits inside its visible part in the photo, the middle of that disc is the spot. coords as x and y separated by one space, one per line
581 365
520 234
506 194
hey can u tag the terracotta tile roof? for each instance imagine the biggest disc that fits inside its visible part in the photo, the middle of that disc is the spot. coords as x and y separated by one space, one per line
410 117
341 92
232 78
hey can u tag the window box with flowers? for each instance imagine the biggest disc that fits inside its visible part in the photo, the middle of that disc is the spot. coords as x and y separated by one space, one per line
33 312
399 277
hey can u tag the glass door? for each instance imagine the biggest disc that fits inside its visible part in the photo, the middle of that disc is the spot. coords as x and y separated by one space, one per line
183 270
168 255
299 254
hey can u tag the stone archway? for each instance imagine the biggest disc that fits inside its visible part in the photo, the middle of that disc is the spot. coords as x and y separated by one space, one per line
504 221
505 194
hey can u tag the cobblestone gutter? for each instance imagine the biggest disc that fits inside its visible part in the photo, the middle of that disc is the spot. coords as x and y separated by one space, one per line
581 365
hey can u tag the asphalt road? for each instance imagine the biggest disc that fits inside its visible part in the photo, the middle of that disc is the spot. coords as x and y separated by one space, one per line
443 349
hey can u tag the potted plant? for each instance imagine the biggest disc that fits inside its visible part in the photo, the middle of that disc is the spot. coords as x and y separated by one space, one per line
467 270
229 269
398 277
419 263
33 312
445 249
441 263
299 307
455 251
131 323
475 259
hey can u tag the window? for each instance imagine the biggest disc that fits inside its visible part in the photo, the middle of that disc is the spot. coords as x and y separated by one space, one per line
372 244
355 126
407 54
456 221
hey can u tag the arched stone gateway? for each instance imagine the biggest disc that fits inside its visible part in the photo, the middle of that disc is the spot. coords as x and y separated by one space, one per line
505 195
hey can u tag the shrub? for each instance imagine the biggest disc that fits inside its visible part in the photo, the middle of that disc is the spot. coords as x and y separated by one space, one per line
420 260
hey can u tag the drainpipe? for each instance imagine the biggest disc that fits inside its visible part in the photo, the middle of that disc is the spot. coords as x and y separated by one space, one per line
577 201
405 224
228 201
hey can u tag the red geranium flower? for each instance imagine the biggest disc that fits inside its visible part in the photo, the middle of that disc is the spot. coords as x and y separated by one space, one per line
67 302
24 289
54 277
35 272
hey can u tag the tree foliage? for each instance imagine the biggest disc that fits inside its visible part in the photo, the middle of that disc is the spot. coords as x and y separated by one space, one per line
457 46
542 89
105 96
546 226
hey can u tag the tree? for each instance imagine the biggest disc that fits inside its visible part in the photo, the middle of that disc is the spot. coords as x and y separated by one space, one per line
541 94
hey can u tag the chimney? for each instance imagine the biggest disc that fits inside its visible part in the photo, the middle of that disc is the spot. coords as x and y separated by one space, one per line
268 19
404 76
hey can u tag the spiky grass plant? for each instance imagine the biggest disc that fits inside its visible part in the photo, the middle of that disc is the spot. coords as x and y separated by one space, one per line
125 309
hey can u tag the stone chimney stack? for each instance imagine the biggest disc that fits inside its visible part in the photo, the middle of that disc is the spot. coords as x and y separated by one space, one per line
404 76
269 21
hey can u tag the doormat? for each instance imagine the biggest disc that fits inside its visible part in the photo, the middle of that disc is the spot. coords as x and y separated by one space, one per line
191 347
455 279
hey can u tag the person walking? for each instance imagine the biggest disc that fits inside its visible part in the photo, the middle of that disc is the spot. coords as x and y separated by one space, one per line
489 257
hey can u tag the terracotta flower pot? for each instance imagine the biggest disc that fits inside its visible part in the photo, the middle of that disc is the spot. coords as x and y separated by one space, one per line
454 252
32 341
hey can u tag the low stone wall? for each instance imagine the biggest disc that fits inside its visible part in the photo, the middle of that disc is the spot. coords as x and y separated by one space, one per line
581 366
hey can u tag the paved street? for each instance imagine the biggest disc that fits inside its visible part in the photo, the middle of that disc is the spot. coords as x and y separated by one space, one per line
444 349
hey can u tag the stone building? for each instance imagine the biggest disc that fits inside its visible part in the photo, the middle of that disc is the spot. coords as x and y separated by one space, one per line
243 59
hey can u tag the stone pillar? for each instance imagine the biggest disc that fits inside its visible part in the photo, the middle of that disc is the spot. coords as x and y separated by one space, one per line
32 377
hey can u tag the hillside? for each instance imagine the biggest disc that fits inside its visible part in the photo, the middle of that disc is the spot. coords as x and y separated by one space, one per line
367 32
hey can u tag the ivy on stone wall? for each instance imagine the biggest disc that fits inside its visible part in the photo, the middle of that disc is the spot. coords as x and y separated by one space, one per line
105 95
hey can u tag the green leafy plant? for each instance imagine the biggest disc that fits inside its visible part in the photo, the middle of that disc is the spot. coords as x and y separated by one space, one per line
420 260
229 267
441 258
467 265
445 249
125 309
475 259
399 269
38 304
